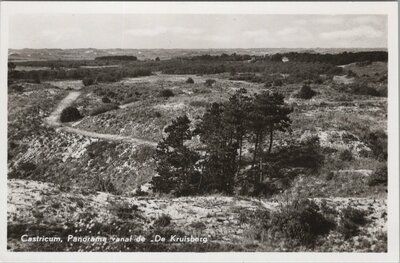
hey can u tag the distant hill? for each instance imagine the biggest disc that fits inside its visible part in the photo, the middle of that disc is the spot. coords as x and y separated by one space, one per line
143 54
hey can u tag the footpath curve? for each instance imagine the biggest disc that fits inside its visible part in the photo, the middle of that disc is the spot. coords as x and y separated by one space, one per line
54 121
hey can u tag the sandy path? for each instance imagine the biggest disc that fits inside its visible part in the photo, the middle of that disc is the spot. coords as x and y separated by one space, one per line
54 121
54 118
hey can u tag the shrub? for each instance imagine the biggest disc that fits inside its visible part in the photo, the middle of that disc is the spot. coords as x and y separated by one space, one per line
125 210
16 88
190 81
166 93
209 82
103 109
301 222
307 154
277 82
105 100
70 114
379 177
87 81
350 221
346 155
306 92
377 141
163 221
360 88
144 153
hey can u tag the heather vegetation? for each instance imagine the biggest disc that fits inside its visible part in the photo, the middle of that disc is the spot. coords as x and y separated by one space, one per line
256 153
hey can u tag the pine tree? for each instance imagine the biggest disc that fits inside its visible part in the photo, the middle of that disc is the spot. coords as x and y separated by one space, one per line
219 163
267 115
176 163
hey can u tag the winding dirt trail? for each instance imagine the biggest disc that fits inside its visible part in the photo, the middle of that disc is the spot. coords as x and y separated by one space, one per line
54 121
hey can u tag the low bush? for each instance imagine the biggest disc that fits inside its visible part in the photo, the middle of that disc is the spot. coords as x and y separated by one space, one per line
105 100
346 155
144 153
306 93
166 93
209 82
300 222
125 210
379 177
103 109
16 88
377 141
306 154
190 81
163 221
350 221
277 82
70 114
88 81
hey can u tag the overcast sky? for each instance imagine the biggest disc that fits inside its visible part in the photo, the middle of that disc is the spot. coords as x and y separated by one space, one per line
197 31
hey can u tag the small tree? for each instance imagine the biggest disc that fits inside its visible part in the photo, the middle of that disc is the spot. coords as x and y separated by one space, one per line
70 114
190 81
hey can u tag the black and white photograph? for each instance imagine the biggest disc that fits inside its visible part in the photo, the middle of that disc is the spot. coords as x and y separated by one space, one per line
216 129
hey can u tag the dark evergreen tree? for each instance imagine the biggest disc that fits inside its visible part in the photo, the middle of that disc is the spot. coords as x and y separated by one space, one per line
267 115
176 163
219 163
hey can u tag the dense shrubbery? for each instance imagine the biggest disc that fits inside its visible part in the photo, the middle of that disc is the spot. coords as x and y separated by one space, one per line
70 114
350 221
302 66
117 58
100 74
103 108
336 59
300 222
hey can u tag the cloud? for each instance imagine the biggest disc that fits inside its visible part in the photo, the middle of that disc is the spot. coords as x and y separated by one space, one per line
372 20
257 33
361 32
55 36
156 31
333 20
293 31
